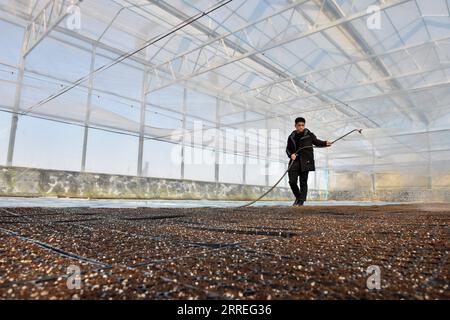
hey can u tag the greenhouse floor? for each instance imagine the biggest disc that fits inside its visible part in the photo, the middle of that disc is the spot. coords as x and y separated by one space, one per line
267 252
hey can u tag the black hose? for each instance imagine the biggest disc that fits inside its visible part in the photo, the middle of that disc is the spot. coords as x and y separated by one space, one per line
289 167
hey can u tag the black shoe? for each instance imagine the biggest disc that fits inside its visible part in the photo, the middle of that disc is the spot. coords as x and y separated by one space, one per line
296 202
300 203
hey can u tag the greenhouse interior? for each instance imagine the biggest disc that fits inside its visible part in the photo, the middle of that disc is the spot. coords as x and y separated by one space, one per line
176 121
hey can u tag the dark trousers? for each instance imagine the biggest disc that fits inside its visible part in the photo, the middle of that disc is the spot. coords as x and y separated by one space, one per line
295 172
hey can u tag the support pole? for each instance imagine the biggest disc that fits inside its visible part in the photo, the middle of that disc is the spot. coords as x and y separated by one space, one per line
328 175
216 161
244 164
267 164
88 111
373 175
429 162
17 100
183 138
140 173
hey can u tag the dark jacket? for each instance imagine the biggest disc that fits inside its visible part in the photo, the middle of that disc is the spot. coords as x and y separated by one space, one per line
305 156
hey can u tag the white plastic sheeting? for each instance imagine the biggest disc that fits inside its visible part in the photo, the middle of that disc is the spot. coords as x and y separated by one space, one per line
248 65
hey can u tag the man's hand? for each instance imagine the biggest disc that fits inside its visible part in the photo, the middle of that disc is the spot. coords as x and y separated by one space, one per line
329 143
293 156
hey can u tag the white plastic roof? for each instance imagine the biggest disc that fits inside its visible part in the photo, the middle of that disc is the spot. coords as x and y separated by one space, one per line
265 61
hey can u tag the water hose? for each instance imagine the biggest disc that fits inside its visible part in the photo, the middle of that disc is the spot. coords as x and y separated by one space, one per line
289 167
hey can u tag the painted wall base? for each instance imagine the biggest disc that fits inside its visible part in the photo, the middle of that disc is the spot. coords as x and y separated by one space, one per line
31 182
28 182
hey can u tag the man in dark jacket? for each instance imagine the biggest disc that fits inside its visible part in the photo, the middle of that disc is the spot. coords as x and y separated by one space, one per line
303 159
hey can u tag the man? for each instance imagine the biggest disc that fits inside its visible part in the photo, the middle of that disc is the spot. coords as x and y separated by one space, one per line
303 160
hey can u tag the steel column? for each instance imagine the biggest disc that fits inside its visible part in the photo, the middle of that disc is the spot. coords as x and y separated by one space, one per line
88 112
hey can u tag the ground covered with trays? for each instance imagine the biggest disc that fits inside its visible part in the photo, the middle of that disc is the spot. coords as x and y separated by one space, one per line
225 253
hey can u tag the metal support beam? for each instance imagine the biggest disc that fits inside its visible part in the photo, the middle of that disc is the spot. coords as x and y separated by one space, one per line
244 162
142 122
193 84
298 96
17 99
327 106
327 170
290 88
45 21
372 174
217 155
41 25
267 164
235 53
429 162
333 9
88 112
183 139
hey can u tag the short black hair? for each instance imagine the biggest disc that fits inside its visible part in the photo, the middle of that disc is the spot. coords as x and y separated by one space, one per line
300 119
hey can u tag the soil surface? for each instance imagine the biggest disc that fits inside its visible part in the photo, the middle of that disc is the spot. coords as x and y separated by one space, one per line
225 253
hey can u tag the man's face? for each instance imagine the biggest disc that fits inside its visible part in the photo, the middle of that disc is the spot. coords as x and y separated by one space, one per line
300 127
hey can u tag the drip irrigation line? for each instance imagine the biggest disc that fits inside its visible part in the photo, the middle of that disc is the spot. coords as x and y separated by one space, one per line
104 267
53 249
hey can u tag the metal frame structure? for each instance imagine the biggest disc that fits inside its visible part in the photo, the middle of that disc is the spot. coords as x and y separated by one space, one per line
278 90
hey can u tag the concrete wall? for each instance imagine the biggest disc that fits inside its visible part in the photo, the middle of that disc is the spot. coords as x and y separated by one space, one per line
28 182
350 186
